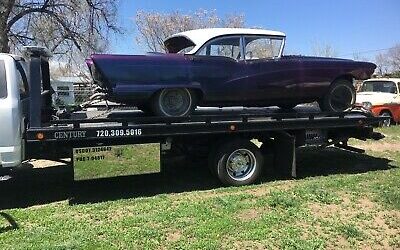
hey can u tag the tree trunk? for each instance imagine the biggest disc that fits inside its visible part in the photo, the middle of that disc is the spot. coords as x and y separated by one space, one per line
4 47
5 10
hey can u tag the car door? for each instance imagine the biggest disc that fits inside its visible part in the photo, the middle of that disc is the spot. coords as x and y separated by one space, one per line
396 99
396 104
219 68
271 77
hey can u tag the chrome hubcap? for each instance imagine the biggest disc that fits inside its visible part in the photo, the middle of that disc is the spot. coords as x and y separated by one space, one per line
386 122
175 102
341 98
241 164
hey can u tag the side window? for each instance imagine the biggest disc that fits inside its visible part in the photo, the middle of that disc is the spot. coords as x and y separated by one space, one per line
261 47
227 46
22 80
3 80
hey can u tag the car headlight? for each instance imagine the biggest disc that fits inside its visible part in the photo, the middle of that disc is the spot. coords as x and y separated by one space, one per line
367 105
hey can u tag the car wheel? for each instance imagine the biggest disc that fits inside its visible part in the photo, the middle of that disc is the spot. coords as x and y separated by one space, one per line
340 97
174 102
387 122
238 163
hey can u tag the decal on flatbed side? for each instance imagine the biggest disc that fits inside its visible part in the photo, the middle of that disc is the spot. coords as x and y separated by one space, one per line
111 161
118 132
91 154
69 134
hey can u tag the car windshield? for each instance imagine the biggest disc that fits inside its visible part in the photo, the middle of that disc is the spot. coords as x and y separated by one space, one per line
3 80
379 86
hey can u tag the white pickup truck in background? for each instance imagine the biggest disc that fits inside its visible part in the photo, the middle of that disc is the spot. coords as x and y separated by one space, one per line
382 97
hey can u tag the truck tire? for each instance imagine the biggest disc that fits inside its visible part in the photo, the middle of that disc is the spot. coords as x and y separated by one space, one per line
237 163
174 102
341 96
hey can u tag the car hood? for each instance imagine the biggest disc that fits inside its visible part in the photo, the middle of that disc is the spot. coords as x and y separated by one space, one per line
375 98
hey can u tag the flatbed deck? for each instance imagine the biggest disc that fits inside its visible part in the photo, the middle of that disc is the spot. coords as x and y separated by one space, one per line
135 127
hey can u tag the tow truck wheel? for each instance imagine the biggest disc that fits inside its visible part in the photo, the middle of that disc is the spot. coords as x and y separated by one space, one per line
238 163
174 102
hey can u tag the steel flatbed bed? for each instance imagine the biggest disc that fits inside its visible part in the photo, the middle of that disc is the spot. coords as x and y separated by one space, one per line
104 130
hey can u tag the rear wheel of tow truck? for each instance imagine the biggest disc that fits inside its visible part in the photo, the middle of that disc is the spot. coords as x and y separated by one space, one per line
174 102
237 163
387 122
341 97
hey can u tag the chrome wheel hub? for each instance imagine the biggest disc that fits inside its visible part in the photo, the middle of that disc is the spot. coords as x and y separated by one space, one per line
175 102
341 98
241 164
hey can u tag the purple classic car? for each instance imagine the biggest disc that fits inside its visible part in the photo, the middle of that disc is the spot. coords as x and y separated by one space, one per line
226 67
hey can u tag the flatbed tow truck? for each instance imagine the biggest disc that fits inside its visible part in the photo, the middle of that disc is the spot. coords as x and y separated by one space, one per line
30 128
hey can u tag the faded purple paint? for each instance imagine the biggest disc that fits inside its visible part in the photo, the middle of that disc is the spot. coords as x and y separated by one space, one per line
223 81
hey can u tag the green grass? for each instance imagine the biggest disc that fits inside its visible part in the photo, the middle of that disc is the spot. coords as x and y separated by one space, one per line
337 210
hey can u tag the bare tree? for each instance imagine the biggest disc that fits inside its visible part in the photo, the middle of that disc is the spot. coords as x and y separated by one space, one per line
357 56
388 63
154 27
382 64
66 27
325 50
394 58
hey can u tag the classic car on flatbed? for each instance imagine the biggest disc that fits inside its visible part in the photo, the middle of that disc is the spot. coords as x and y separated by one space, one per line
226 67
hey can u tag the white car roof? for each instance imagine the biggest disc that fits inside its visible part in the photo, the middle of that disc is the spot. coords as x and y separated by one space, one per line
201 36
384 79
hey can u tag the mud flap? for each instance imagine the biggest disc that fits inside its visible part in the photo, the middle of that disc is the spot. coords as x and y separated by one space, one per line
285 154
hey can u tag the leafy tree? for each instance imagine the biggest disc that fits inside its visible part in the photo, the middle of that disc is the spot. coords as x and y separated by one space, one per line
67 27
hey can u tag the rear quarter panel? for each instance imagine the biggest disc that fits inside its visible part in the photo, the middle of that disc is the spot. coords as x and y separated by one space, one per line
315 75
124 75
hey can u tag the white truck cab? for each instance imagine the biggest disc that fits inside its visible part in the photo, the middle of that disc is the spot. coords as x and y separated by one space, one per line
13 92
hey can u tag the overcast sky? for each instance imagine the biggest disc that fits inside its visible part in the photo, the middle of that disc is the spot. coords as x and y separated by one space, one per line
349 26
